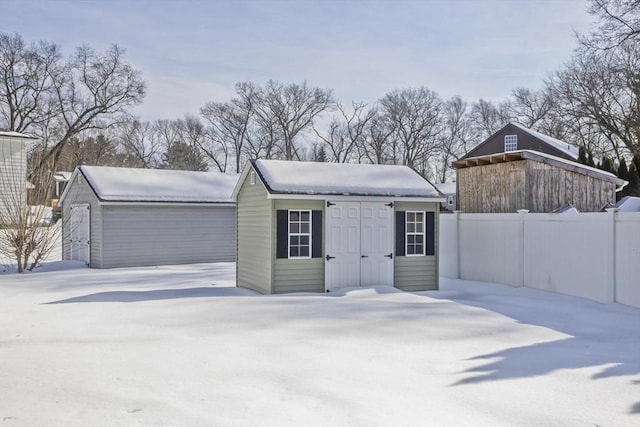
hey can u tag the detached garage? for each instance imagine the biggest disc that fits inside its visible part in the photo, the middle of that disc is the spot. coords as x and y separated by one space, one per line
124 217
319 227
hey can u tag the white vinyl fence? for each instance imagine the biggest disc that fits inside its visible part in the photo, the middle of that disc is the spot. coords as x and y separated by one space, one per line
591 255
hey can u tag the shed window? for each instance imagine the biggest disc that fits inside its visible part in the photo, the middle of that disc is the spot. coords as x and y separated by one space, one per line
415 233
510 143
299 234
252 177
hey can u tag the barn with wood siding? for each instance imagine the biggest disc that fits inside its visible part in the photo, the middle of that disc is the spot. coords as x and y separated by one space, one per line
539 182
125 217
322 227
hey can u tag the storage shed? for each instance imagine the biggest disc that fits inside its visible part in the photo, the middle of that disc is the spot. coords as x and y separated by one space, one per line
539 182
319 227
124 217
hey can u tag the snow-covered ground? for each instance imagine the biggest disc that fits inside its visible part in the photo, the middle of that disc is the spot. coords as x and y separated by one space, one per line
179 346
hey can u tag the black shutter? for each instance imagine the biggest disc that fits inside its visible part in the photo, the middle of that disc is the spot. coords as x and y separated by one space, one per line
316 234
431 233
282 234
400 236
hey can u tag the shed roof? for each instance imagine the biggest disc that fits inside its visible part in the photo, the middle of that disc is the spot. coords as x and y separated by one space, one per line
542 158
447 188
318 178
629 204
115 184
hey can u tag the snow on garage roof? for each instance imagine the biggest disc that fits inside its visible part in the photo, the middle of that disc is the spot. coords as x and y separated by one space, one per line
158 185
12 134
293 177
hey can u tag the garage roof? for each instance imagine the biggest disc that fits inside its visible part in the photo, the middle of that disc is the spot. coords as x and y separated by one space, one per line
318 178
116 184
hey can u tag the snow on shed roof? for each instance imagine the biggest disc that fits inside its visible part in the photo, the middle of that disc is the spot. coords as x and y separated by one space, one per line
159 185
629 204
447 187
293 177
565 147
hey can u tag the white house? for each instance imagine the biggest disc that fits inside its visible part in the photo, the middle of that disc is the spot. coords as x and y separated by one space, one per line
13 174
124 217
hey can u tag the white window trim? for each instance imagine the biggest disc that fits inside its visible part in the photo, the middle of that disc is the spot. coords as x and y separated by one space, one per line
513 142
252 177
424 233
289 233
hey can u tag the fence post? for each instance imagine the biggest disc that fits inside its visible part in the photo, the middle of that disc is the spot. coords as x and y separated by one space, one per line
611 260
456 213
521 245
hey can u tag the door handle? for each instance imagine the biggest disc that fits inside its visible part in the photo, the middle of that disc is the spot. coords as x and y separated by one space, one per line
390 255
328 257
364 256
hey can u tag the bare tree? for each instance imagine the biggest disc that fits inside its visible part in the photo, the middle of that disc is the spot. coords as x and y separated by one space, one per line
619 24
285 111
347 132
58 99
377 146
138 145
602 89
414 117
230 124
456 138
27 78
530 107
488 118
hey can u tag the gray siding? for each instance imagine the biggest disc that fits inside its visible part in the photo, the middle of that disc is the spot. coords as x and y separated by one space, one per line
298 275
80 193
255 237
140 235
13 178
418 273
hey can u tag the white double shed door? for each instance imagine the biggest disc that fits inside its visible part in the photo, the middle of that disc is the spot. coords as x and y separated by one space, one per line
359 244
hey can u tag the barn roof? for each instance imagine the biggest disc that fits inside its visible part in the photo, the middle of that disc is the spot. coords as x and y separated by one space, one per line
113 184
542 158
319 178
565 147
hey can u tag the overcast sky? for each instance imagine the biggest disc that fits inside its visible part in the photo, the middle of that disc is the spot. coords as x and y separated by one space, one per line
192 51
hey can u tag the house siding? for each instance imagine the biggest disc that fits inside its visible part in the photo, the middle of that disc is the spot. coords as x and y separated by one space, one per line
297 275
160 235
255 224
418 273
80 192
13 177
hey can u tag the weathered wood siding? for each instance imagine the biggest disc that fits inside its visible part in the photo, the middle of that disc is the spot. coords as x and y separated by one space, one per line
418 273
529 184
551 188
142 235
298 275
81 193
13 177
496 188
255 221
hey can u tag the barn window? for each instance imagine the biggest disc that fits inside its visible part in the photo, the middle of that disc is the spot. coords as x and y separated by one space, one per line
414 225
510 143
299 234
